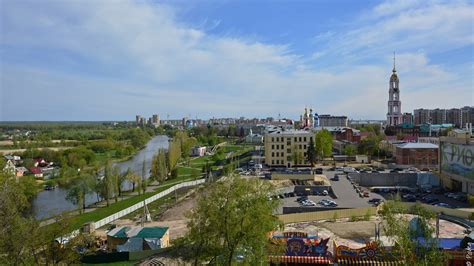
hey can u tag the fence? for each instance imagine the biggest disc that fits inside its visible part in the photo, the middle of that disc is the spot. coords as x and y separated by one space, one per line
326 215
139 205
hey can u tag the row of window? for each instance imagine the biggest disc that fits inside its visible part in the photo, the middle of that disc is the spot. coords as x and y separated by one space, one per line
295 139
300 146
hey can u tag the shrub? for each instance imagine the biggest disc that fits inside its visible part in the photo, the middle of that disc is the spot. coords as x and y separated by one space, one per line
335 216
354 218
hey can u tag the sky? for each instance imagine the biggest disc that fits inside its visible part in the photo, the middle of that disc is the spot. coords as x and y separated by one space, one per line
111 59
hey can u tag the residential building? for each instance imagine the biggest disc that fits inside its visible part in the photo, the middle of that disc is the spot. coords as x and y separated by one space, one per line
432 140
453 116
459 117
155 120
287 148
365 123
457 162
130 239
394 114
421 116
467 115
333 121
421 155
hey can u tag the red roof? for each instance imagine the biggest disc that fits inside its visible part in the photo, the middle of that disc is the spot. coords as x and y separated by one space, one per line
36 170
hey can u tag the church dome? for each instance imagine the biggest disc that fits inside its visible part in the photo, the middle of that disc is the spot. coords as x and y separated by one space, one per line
394 77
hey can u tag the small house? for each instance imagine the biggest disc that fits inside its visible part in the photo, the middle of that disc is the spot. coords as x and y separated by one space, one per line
20 171
36 171
129 239
360 158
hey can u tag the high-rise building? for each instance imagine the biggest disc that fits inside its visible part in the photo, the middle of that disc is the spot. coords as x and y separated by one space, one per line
453 116
394 114
467 115
421 116
438 116
155 120
457 117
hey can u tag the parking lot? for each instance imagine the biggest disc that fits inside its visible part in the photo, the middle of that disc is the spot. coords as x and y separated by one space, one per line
347 197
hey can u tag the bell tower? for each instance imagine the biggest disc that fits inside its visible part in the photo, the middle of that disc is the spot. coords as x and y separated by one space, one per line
394 114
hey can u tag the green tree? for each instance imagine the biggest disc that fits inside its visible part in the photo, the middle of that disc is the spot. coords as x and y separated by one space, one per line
323 143
296 156
143 177
174 154
231 217
398 227
349 150
311 153
83 184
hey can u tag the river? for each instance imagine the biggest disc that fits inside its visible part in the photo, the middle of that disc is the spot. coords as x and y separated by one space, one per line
53 202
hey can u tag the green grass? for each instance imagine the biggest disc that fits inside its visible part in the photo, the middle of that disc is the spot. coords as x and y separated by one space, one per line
117 263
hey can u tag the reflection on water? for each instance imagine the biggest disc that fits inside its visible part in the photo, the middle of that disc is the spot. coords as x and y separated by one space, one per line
53 202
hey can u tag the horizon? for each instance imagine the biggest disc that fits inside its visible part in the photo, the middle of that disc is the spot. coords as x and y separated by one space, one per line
109 61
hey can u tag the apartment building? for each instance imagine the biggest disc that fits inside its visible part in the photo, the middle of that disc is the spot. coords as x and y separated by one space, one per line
287 148
333 121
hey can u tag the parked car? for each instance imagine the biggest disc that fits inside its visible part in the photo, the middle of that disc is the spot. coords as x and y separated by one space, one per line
325 193
366 194
318 171
335 178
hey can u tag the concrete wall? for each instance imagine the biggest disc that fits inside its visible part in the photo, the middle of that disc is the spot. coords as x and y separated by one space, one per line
385 179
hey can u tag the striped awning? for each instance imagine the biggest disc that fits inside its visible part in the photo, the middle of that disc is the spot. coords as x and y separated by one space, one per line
347 261
300 259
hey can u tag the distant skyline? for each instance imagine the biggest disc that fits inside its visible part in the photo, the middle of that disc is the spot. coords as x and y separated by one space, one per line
110 60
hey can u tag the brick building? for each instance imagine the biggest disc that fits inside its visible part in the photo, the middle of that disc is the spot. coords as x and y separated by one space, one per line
421 155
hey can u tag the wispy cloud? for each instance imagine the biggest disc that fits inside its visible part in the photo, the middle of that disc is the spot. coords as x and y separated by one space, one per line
110 60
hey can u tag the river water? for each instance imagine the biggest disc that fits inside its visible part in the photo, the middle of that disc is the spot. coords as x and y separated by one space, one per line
53 202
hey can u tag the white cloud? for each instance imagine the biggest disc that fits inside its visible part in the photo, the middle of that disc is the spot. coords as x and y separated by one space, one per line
149 62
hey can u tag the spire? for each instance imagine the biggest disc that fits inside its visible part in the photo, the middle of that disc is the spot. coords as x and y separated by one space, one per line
394 70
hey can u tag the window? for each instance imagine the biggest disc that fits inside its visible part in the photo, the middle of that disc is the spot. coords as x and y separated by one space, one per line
278 161
301 146
273 161
273 154
304 147
273 139
394 96
296 139
277 154
300 139
273 147
304 139
288 150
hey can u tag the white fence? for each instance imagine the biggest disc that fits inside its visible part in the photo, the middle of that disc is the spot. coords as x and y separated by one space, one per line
139 205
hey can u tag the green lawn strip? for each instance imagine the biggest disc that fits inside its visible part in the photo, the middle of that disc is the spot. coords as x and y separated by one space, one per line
100 213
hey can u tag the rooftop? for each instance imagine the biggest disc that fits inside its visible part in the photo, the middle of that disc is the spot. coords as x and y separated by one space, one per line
418 145
138 232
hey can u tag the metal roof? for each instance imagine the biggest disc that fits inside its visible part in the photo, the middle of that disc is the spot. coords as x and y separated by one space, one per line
418 145
138 232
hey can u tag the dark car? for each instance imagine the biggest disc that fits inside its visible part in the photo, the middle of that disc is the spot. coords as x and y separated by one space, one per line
318 171
300 199
335 178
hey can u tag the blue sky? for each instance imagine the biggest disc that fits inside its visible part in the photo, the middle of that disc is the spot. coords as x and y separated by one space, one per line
110 60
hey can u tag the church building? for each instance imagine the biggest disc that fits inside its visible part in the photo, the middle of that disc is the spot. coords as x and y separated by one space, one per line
394 114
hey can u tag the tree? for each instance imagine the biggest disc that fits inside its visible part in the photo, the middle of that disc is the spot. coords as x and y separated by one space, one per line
323 143
311 153
405 234
231 217
143 177
296 156
174 154
349 150
242 132
83 184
